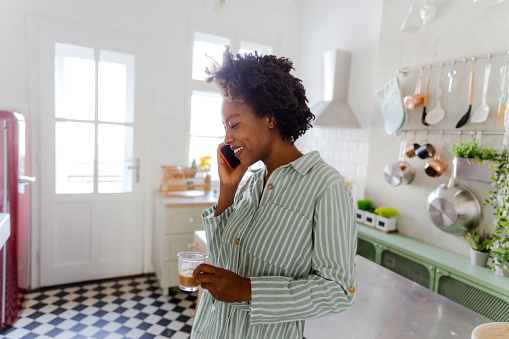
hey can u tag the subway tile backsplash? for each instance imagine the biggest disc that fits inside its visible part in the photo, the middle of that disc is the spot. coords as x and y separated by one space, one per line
345 149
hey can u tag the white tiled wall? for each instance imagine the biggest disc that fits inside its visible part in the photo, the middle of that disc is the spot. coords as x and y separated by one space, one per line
345 149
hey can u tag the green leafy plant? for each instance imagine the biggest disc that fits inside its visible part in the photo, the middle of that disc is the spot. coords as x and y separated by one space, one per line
364 205
386 212
472 149
499 200
479 241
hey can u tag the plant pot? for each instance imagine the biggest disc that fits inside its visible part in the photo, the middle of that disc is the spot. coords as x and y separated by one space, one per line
502 271
360 216
369 219
472 170
385 224
478 258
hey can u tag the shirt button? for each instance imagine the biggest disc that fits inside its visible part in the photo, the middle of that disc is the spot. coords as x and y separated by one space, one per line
237 241
270 186
351 289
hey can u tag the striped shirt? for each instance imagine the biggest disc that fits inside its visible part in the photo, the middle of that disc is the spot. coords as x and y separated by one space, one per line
295 239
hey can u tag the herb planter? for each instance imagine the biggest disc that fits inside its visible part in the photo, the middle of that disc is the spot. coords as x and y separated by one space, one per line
360 216
369 219
385 224
502 269
470 169
479 258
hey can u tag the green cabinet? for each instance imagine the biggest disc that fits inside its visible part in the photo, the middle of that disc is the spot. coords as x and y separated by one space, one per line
443 272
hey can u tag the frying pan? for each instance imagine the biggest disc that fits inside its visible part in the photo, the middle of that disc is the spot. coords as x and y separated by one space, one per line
400 172
453 208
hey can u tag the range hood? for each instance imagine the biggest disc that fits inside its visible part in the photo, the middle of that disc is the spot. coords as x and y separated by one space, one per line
333 109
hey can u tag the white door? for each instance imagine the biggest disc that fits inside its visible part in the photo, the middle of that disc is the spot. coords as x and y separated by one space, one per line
91 150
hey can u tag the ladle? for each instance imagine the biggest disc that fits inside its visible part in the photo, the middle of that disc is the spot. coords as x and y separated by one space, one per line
437 114
481 113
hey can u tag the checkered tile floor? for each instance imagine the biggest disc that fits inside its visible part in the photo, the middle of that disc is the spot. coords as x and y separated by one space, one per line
131 307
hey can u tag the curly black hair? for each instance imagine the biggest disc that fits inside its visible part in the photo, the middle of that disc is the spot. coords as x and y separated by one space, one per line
264 83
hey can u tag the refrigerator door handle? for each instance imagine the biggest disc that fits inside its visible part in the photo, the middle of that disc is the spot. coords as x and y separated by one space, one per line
26 180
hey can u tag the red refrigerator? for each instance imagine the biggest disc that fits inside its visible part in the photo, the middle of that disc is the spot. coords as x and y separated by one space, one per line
15 200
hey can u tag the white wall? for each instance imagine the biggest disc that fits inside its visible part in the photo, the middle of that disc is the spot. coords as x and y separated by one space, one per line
460 30
352 26
167 23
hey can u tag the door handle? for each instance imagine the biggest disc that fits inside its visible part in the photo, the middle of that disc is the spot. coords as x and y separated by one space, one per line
23 179
137 168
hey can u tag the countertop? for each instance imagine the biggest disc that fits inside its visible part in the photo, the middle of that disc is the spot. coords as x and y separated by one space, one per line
390 306
187 198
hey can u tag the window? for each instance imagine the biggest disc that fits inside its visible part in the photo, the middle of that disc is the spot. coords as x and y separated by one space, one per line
206 128
94 115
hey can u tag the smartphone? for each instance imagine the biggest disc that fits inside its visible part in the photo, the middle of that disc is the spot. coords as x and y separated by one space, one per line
229 156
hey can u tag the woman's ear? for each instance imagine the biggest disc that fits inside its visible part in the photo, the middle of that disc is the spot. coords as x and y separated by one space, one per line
271 121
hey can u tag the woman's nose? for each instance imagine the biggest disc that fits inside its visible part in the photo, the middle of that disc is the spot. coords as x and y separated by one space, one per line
228 138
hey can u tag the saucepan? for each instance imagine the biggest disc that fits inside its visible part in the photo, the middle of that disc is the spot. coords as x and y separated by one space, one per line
454 208
400 172
437 166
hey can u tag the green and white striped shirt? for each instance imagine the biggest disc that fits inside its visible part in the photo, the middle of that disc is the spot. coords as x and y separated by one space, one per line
295 239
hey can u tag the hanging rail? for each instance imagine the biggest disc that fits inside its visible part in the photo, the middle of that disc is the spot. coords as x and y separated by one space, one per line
451 62
452 132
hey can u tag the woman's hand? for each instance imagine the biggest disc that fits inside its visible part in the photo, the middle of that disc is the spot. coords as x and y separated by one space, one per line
222 284
229 177
229 181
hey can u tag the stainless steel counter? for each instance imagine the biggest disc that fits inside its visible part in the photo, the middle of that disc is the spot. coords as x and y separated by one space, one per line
390 306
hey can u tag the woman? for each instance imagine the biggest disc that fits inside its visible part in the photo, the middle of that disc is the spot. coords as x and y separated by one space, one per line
282 245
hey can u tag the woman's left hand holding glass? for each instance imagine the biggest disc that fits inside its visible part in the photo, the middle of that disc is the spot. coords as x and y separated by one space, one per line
223 285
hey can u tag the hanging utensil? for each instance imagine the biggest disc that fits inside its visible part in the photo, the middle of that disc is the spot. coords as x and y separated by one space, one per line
481 113
400 172
504 79
451 75
423 119
437 114
438 166
465 117
414 100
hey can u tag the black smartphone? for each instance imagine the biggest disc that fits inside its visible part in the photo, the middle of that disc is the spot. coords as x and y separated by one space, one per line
229 156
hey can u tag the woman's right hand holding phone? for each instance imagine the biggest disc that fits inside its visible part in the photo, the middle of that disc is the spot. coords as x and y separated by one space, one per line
229 181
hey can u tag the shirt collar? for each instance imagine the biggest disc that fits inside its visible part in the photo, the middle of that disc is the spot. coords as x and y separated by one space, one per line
305 163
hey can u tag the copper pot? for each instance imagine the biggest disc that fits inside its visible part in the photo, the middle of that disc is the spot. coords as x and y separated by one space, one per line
411 148
437 166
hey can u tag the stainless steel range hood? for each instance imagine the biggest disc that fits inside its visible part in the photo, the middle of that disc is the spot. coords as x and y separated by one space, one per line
333 109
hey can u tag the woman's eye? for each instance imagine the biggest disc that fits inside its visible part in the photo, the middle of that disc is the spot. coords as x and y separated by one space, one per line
234 125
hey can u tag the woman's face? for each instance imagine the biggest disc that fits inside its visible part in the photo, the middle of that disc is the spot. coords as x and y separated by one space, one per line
250 137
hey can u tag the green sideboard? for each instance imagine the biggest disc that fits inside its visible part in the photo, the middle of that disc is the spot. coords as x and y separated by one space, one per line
444 272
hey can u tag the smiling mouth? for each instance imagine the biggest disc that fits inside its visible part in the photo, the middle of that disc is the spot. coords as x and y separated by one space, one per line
238 149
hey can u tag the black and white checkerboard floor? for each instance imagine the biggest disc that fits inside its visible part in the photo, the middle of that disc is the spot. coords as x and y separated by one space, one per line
131 307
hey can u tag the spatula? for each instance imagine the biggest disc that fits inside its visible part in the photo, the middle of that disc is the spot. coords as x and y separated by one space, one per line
437 114
423 119
465 117
481 113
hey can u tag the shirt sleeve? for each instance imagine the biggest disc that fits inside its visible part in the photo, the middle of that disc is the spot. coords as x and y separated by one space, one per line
330 287
214 226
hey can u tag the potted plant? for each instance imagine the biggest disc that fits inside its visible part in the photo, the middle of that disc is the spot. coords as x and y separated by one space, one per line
363 206
472 160
499 200
386 219
479 247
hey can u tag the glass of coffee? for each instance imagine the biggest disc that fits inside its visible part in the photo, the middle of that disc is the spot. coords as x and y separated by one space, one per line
187 262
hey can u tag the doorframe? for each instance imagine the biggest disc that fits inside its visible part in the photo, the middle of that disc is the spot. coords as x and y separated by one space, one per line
146 44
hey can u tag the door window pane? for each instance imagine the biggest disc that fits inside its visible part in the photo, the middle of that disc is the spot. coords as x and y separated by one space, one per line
206 46
74 157
115 155
116 87
206 114
74 82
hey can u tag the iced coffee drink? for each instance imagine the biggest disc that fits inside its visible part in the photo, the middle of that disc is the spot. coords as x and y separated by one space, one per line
187 262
